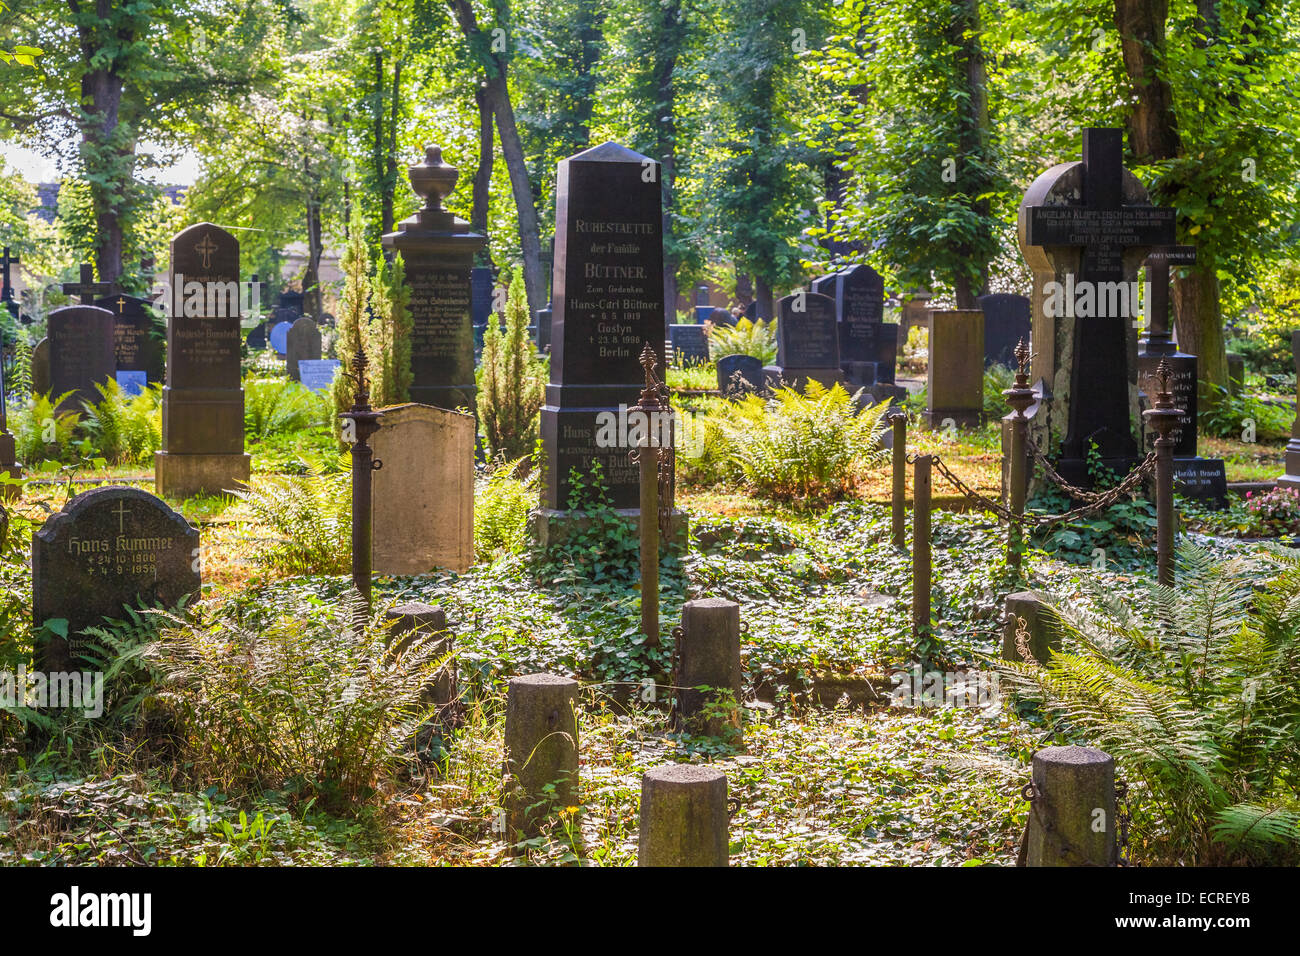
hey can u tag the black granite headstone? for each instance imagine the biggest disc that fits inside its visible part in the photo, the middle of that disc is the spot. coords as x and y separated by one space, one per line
739 375
1007 320
81 353
257 339
303 343
106 550
1205 479
608 304
134 343
689 343
825 285
807 341
480 294
543 322
859 307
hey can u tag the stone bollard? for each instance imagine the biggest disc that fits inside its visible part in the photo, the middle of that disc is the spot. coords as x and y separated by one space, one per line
1072 816
684 817
921 547
708 654
541 748
1041 622
417 622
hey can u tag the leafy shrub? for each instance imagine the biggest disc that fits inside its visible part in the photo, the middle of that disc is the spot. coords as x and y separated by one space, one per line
1196 694
40 433
305 702
502 501
746 337
310 516
1275 512
274 406
125 429
511 381
1227 416
389 335
997 378
807 447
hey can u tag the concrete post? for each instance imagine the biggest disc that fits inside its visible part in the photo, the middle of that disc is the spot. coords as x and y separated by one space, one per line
1072 818
541 748
1041 623
708 655
899 422
684 818
921 546
422 623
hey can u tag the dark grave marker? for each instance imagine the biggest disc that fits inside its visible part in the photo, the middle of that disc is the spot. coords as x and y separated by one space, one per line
739 375
689 343
859 308
807 341
722 317
81 353
1203 478
41 367
439 250
108 549
203 400
134 344
257 338
480 294
543 323
1007 320
302 342
608 304
1290 477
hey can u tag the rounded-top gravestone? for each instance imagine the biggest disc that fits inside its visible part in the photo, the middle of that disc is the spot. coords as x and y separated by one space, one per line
280 337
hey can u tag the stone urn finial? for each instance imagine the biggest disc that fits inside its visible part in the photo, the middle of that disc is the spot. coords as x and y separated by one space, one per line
433 180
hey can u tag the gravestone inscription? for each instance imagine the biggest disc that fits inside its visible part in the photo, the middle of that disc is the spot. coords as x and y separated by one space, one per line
807 342
134 344
81 353
689 344
739 375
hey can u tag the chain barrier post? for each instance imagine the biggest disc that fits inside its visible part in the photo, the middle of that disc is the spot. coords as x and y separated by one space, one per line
1019 396
1163 417
921 546
647 457
365 423
898 420
1074 808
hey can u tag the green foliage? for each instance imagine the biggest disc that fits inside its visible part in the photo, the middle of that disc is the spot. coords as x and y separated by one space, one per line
810 447
277 406
746 337
502 502
1227 417
996 379
389 338
511 381
1275 512
125 429
40 433
1194 692
304 700
309 516
352 324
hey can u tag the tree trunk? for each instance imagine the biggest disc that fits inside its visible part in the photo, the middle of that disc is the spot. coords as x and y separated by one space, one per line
974 140
390 160
665 121
108 163
478 217
497 93
963 293
766 306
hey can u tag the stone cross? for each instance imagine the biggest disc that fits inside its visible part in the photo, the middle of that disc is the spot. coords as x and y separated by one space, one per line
88 288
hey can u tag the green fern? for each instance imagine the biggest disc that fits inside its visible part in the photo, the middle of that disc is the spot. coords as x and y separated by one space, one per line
305 520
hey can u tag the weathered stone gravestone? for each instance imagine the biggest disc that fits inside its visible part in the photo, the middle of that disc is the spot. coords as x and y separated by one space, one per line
41 367
1290 478
203 400
739 375
424 495
825 284
609 302
302 342
1158 344
1084 229
689 343
1006 322
134 345
81 353
108 549
915 312
439 251
955 374
807 342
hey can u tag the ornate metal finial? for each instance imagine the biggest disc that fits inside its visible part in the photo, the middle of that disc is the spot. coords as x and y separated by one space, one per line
1164 392
359 365
1020 396
1022 358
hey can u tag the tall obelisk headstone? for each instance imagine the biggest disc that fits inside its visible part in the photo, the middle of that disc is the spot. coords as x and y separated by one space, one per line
203 400
1084 229
608 303
439 251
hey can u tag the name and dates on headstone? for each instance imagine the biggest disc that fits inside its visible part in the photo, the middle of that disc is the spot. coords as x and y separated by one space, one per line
108 549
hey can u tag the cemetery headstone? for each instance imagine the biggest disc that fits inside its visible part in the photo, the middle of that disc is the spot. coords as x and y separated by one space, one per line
1290 478
609 302
807 342
860 309
702 307
439 250
423 497
203 400
257 338
825 285
751 311
1203 478
1236 372
955 374
543 322
480 294
1084 256
302 342
740 375
689 343
108 549
1006 321
81 353
915 312
292 301
318 375
134 345
722 317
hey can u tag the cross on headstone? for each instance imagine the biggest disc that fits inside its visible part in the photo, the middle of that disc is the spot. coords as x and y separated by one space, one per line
121 513
88 288
205 248
7 290
1103 228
